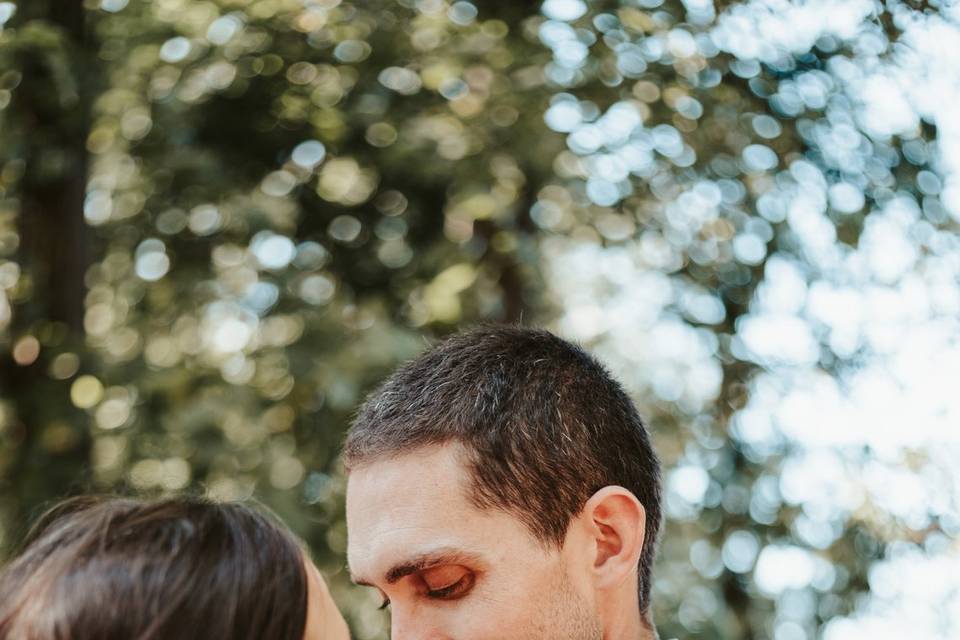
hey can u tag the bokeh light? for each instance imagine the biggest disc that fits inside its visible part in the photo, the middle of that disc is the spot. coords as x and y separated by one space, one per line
748 210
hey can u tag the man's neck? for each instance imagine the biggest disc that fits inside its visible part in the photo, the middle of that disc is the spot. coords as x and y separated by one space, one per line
632 626
640 629
621 615
647 630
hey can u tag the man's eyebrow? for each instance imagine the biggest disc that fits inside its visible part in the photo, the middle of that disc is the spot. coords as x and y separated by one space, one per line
422 562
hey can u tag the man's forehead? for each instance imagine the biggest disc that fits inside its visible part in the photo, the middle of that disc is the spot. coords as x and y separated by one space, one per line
426 474
413 505
413 486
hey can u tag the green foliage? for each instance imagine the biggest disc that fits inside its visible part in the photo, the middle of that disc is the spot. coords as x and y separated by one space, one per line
280 198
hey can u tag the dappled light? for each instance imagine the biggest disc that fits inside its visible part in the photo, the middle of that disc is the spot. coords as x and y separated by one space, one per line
747 210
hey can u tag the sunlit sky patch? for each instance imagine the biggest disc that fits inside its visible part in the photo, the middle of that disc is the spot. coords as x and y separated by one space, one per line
887 310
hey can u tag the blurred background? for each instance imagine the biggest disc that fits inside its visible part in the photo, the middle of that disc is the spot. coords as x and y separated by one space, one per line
223 221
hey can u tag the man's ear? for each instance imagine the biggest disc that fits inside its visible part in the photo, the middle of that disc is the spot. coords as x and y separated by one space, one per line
616 521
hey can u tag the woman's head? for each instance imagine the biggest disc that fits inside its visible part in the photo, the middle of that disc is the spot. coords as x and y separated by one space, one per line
117 568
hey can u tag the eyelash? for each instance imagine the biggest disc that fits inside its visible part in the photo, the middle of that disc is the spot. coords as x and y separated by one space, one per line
437 593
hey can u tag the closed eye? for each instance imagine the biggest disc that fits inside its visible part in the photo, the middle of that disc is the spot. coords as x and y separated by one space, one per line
454 590
451 592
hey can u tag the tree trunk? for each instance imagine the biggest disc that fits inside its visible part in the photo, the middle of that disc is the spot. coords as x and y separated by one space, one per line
48 128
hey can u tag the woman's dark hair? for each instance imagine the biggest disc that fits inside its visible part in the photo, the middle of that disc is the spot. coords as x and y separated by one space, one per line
97 568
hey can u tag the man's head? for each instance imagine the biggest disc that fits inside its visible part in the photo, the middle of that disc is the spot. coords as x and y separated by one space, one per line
503 486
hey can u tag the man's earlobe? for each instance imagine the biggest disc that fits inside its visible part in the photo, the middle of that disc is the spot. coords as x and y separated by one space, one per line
617 523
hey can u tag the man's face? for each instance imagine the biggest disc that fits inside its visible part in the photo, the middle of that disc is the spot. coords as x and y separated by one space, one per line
454 572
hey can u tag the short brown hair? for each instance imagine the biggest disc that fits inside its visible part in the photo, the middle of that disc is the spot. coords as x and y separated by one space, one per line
545 426
97 568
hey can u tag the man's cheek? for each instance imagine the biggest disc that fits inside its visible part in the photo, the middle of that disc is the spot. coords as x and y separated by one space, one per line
503 614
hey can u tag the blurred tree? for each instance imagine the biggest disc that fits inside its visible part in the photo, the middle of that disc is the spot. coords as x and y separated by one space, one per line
222 221
49 67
